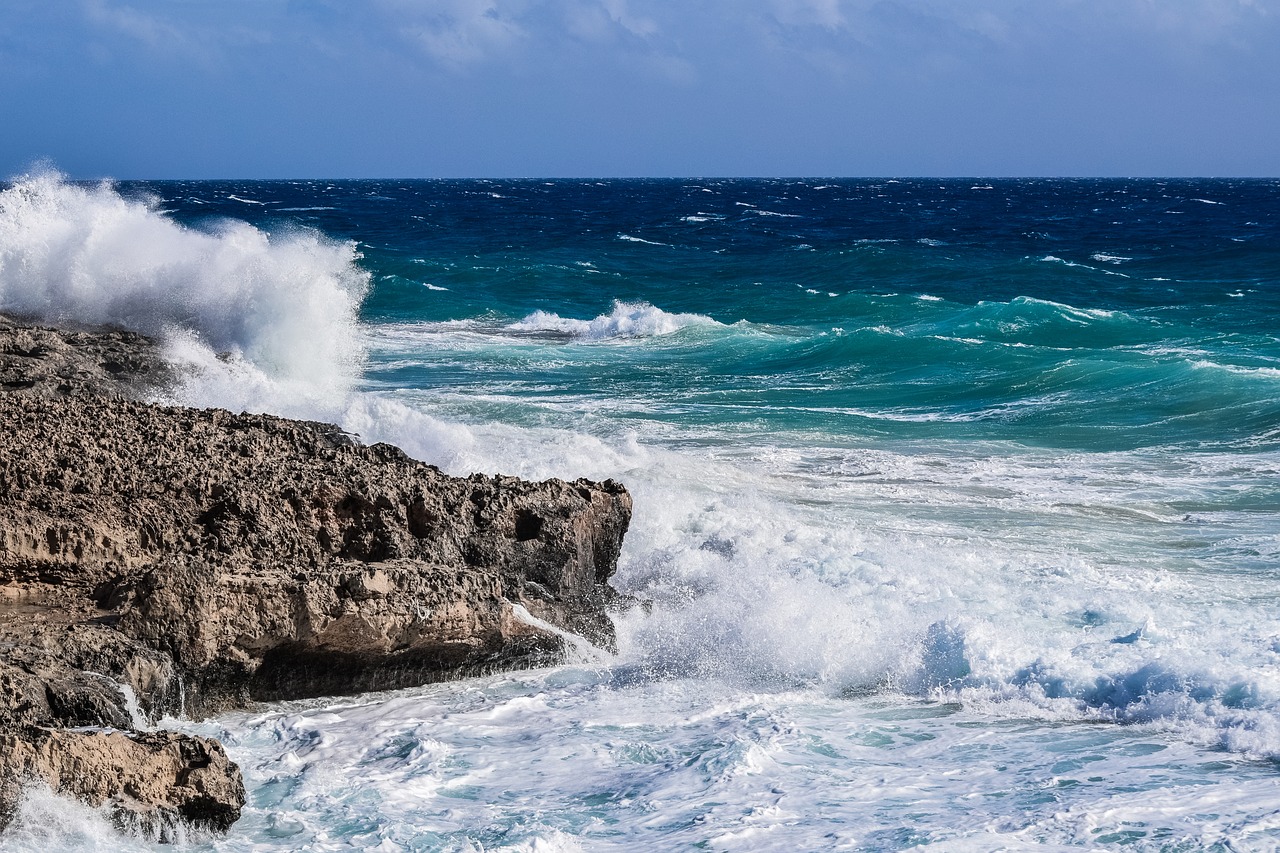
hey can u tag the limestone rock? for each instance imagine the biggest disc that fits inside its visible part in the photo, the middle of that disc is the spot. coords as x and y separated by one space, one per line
74 363
162 560
150 780
228 541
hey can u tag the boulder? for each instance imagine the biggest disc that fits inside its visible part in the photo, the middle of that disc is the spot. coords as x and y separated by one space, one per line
150 782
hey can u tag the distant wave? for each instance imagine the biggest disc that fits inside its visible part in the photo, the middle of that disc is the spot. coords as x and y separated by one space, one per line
627 320
1268 372
1053 259
629 239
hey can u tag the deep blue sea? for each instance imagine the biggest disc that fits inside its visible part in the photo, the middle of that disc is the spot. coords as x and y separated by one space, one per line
957 501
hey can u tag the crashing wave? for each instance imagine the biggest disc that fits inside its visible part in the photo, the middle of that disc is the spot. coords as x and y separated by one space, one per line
280 308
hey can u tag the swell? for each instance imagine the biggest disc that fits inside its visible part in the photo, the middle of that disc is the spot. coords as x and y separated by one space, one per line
1028 370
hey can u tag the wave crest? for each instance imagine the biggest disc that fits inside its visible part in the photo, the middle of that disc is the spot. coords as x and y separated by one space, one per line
284 304
627 320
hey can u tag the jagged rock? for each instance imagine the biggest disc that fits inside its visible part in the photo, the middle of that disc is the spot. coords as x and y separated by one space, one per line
88 674
158 560
150 780
74 363
229 540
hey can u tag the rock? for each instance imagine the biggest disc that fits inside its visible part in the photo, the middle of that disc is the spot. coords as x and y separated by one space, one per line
231 542
162 560
150 780
74 363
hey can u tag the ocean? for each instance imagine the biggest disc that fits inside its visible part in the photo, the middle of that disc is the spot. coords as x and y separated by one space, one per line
957 502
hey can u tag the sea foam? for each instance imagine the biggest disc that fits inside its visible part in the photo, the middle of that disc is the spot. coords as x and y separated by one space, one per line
241 307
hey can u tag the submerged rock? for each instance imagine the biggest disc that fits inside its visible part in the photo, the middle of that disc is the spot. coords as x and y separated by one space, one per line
162 560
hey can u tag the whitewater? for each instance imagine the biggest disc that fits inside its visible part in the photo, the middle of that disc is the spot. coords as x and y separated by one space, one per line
957 511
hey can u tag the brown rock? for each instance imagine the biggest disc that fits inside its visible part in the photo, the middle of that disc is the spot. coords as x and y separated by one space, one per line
150 780
164 560
73 363
227 540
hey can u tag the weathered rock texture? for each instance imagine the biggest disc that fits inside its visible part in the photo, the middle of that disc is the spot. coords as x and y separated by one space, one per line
166 560
150 780
75 363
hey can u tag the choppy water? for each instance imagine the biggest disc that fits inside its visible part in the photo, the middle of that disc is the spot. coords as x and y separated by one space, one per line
957 501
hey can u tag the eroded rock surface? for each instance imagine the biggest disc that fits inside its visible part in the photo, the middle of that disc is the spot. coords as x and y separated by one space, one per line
166 560
77 363
149 781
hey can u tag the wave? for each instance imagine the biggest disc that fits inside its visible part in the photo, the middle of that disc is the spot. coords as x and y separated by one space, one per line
1043 322
627 238
627 320
1242 370
776 567
750 586
241 308
1054 259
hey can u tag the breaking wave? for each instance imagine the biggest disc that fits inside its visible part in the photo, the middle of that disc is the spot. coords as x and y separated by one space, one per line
627 320
241 307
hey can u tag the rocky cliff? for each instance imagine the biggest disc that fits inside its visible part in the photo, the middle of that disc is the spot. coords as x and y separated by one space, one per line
158 560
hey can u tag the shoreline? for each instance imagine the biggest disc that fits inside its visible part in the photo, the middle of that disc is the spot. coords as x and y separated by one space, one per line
206 561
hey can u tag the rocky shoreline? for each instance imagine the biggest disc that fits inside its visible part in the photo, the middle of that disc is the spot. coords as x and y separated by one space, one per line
164 561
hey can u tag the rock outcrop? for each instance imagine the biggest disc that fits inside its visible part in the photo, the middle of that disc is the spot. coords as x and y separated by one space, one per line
78 362
158 560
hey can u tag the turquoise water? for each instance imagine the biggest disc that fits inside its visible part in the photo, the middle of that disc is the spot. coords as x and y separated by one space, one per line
956 501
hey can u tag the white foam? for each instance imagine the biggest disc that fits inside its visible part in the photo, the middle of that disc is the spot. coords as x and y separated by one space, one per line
1268 372
1056 260
281 308
46 822
626 320
630 239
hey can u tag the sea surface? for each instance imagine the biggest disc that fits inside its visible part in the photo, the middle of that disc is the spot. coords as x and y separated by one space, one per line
957 501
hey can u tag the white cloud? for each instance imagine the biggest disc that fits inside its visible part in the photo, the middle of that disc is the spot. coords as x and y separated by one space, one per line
637 26
127 20
828 14
459 32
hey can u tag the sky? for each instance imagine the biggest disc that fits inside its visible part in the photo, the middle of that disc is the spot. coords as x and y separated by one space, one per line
639 88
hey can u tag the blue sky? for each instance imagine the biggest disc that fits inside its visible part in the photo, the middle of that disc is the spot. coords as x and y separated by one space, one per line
510 88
